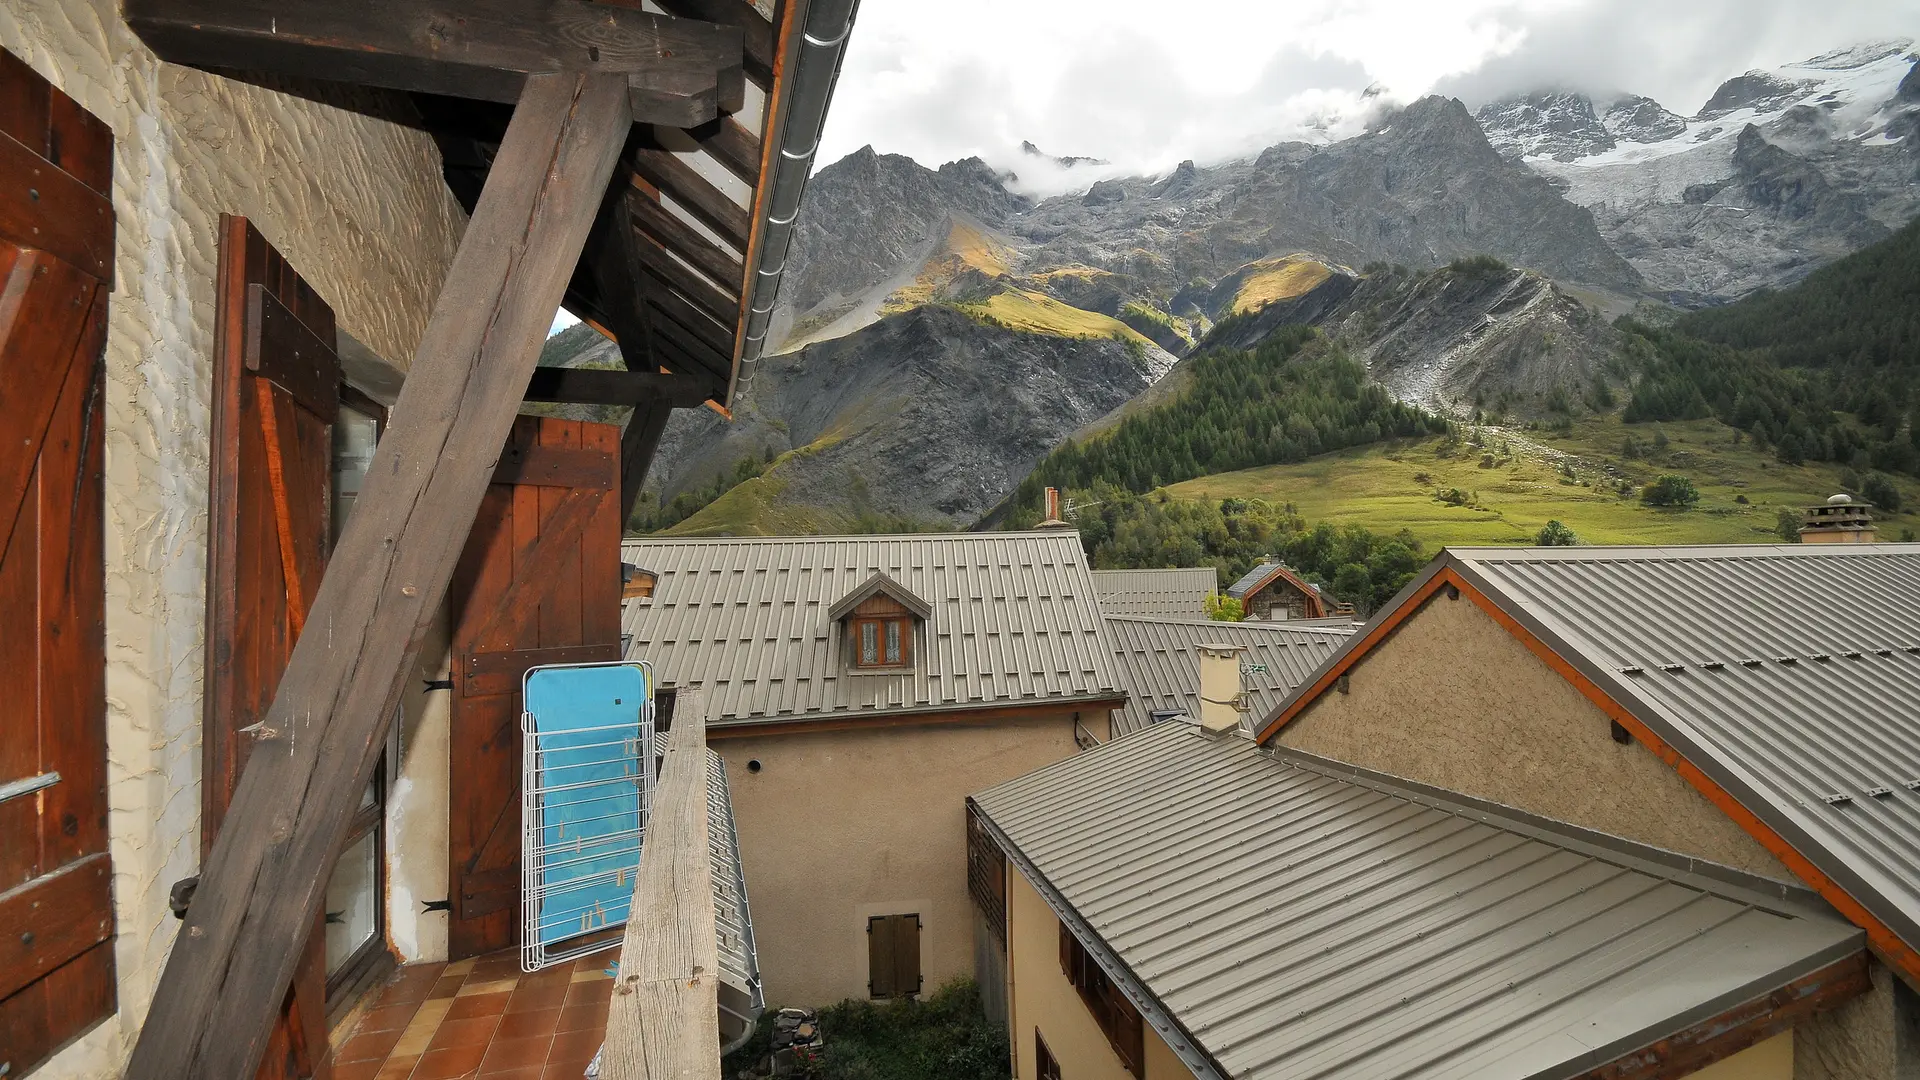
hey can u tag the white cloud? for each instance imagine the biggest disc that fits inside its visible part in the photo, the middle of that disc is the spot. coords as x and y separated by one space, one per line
1145 85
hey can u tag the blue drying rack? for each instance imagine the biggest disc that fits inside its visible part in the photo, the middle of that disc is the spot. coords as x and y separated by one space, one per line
586 786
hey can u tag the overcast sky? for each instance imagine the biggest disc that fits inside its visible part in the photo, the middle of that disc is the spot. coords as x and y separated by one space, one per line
1145 85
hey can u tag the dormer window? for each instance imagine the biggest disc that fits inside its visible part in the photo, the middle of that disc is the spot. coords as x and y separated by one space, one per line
880 618
883 642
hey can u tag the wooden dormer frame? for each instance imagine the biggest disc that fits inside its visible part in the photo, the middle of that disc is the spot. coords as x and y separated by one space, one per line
881 602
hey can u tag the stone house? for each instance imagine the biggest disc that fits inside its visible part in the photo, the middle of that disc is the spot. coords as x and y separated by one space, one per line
1271 592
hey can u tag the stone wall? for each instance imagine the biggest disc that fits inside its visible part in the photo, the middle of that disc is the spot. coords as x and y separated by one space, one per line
359 208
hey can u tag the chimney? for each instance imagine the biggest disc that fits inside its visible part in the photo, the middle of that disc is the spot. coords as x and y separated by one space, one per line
1221 698
1839 520
1053 519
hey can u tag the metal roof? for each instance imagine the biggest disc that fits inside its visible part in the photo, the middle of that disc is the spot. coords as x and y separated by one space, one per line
733 920
1260 576
1292 919
1790 675
1176 593
1156 660
1014 622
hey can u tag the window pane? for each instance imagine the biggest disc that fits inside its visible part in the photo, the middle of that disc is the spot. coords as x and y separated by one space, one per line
351 895
893 641
869 643
354 434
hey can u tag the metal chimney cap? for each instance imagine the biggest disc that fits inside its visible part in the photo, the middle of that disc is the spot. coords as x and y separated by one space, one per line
1841 499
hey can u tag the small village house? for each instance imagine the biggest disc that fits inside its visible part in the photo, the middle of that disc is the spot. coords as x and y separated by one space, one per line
277 280
1272 592
1159 661
1752 707
860 688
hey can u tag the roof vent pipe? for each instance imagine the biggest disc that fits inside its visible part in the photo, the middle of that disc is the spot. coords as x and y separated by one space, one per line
1222 699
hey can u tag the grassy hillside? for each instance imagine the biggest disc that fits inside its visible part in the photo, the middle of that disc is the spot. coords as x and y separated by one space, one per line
1410 484
1276 279
1037 313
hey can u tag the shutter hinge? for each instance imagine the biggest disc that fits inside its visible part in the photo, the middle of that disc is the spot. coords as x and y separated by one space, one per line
437 684
181 895
436 905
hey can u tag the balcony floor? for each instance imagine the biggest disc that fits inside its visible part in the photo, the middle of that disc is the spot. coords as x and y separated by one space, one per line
481 1018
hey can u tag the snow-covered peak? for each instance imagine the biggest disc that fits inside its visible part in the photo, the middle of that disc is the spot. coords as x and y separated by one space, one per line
1853 90
1551 124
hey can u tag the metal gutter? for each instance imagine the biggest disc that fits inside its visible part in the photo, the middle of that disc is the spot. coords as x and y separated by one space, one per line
813 56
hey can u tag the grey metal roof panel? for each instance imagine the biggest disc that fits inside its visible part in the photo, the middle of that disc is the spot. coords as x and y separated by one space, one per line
1790 675
1296 922
1251 580
1015 621
733 920
1177 593
1157 661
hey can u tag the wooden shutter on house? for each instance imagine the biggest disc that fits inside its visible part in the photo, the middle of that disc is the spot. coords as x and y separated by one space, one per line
276 380
538 583
986 874
893 956
56 244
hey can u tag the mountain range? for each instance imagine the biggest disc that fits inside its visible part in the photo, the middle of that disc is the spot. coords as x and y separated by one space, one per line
938 332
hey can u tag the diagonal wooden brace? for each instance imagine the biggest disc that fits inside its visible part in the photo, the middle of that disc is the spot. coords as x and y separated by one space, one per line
266 876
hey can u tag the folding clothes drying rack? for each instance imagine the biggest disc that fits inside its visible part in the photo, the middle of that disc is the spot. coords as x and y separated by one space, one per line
586 788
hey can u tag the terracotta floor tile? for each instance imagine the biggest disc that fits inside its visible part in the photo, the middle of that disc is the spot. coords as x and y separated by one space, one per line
554 976
357 1070
506 1054
565 1070
580 993
475 1031
388 1017
531 1072
575 1046
467 1006
523 1024
368 1046
495 968
460 967
413 1042
411 984
587 1014
450 1064
476 985
397 1068
446 987
531 998
581 975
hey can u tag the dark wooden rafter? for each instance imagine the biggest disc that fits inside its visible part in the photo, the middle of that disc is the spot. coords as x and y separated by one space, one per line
756 31
730 144
660 264
659 223
638 444
266 875
680 72
664 171
601 386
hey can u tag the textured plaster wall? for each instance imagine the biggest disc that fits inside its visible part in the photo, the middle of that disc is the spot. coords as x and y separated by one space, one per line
1045 1002
837 826
358 206
1454 700
1768 1060
417 811
1873 1037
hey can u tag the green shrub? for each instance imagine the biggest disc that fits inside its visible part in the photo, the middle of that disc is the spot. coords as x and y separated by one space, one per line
1786 525
1555 534
1881 492
1671 490
1483 267
1223 608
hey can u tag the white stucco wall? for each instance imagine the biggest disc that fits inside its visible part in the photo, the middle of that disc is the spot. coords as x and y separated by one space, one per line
359 208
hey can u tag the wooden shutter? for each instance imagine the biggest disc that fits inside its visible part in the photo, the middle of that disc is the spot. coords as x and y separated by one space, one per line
538 583
56 243
276 380
893 956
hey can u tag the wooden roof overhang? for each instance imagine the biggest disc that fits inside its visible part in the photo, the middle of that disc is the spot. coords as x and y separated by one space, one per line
685 256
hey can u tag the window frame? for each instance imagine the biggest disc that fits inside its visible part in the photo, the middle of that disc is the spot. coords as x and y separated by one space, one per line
1116 1016
1045 1065
901 624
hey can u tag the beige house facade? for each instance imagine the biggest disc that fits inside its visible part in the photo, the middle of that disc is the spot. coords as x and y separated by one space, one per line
1458 686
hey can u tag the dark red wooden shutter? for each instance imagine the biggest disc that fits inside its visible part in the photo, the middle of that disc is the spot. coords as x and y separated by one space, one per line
276 380
538 583
880 963
56 244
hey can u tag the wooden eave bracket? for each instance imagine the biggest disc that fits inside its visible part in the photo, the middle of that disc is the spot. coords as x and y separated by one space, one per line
680 72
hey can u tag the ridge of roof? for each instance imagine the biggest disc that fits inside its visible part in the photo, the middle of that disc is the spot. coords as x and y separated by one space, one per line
1254 625
846 538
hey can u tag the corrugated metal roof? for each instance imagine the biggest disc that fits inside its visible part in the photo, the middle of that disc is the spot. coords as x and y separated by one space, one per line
1015 622
1157 662
739 962
1300 923
1790 675
1178 593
